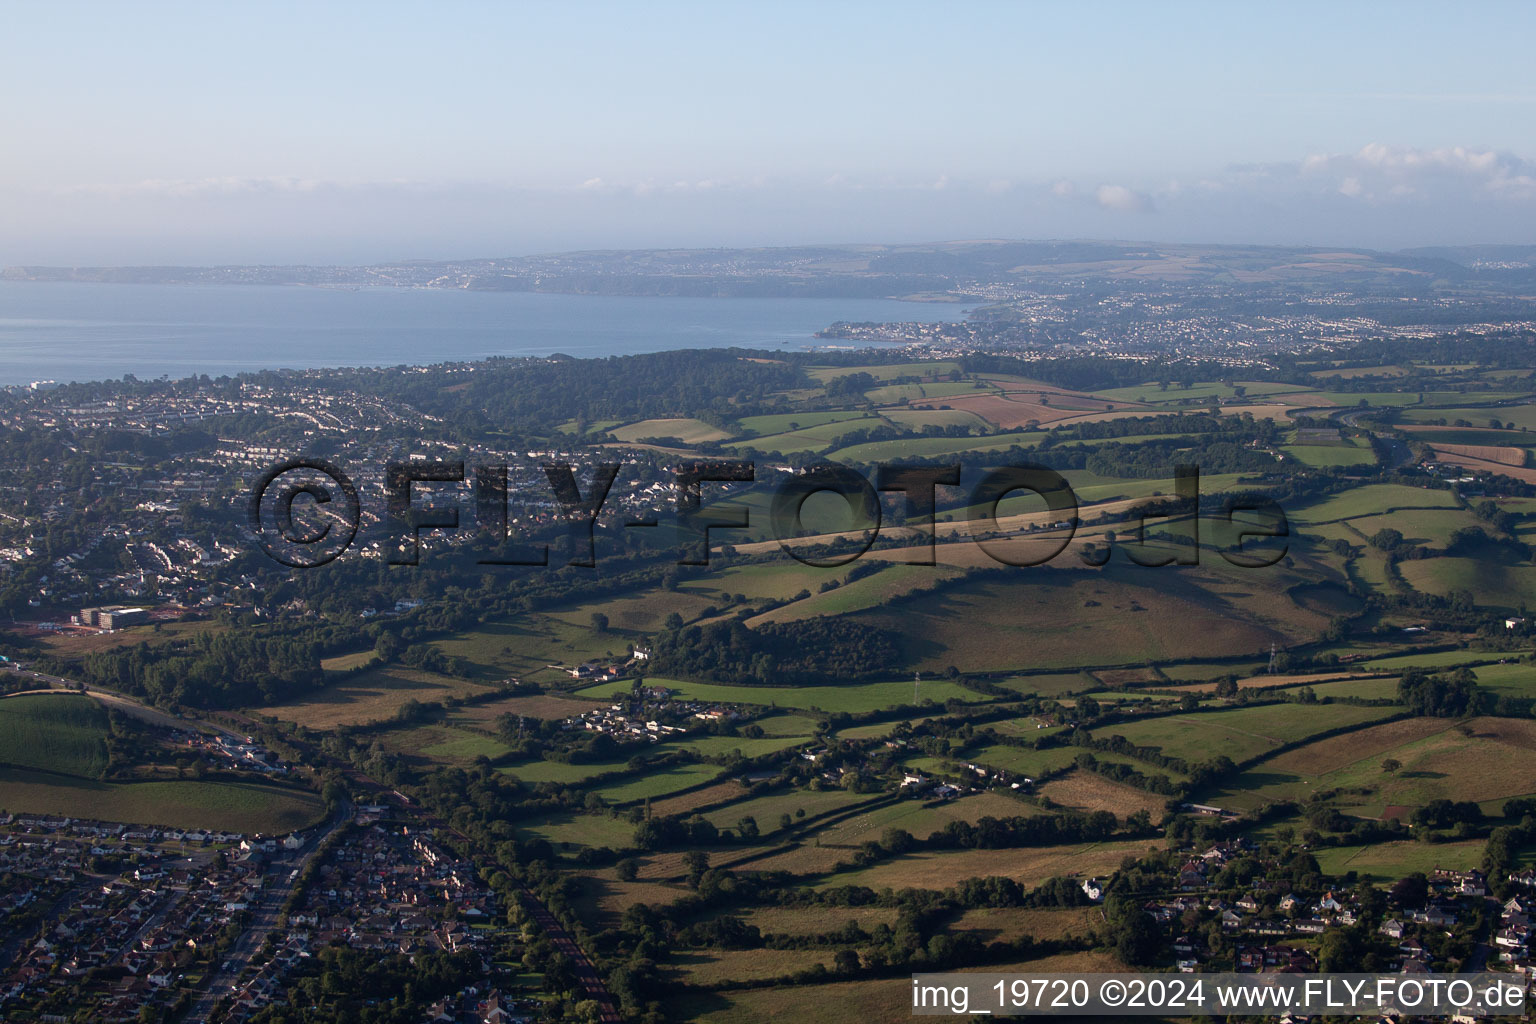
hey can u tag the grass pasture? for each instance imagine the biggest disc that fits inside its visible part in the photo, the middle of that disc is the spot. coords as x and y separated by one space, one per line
348 662
850 697
1431 527
892 581
686 430
1064 622
1241 733
920 820
540 705
720 746
224 806
766 810
1522 416
572 829
371 696
885 371
1509 680
1387 862
1085 791
687 803
1370 500
526 648
658 783
892 393
799 921
714 967
54 733
1323 456
917 419
784 422
1493 585
1029 866
1006 924
1484 760
640 613
812 439
933 447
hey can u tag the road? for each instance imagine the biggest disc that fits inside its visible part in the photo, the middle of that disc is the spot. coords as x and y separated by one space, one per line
586 971
263 919
1398 453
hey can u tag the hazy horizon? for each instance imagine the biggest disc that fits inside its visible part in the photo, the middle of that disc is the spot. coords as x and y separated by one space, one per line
174 134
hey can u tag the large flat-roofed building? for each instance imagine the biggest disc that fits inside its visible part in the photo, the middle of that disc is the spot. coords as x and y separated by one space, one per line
113 616
117 618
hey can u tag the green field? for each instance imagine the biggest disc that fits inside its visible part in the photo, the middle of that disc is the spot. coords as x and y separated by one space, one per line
1366 689
686 430
593 427
463 745
788 725
811 439
657 783
1522 416
223 806
54 733
1090 487
571 828
920 820
777 580
1174 393
917 419
1068 620
535 772
526 647
720 746
872 591
348 662
1464 435
1370 500
1485 760
766 810
933 447
885 371
1431 660
892 393
1492 584
850 697
1050 684
783 422
1319 455
1432 527
1377 399
371 695
1241 733
1511 680
1027 761
1387 862
1020 760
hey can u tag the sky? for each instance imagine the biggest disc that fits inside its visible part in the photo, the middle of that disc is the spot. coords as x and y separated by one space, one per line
157 133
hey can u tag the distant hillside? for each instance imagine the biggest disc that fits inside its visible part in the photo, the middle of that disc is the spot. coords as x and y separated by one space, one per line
936 270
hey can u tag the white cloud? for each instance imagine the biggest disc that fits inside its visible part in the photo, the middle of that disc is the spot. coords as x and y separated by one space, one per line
1378 172
1122 197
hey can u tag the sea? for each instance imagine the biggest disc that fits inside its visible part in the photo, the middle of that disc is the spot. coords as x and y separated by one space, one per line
65 331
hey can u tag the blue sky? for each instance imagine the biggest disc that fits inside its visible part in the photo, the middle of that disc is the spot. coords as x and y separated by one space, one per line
208 133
